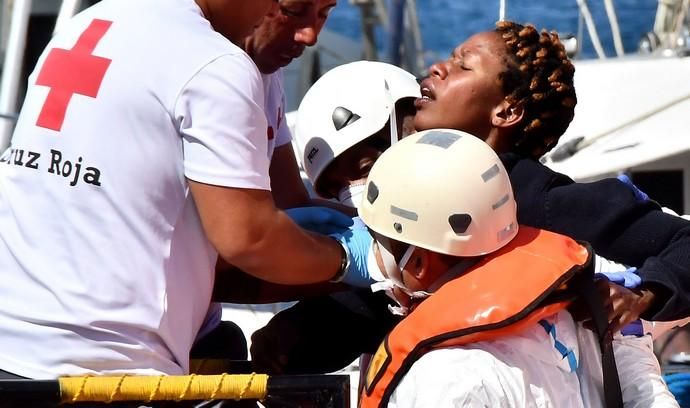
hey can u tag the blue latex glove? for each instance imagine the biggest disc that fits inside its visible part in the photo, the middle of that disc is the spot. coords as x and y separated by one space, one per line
357 242
358 223
679 385
633 329
639 194
627 278
322 220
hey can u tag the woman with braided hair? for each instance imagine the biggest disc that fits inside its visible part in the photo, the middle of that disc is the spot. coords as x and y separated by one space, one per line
522 75
513 87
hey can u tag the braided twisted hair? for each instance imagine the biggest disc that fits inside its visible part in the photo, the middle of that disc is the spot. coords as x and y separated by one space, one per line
539 76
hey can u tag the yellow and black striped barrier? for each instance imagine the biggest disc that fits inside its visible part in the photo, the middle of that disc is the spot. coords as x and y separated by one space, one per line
320 390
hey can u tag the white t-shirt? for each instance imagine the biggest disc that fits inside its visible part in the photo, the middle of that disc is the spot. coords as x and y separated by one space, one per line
278 130
278 134
105 266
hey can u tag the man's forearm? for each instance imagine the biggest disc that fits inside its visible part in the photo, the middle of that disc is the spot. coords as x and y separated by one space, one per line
249 232
234 286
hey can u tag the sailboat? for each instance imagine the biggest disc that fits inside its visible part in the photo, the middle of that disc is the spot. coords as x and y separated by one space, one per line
633 116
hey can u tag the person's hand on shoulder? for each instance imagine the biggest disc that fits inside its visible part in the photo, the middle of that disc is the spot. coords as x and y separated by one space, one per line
622 305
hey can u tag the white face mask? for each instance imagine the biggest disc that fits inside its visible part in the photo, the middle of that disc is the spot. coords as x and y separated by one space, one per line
394 272
351 195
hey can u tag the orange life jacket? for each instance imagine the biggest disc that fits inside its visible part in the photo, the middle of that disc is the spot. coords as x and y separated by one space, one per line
507 291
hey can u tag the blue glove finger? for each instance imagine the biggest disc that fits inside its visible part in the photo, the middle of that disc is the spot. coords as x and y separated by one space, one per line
357 243
330 229
611 277
633 329
325 229
628 278
639 194
319 219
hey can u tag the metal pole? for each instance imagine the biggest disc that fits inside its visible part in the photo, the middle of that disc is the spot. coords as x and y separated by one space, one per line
591 28
397 21
615 30
414 49
502 10
369 20
13 67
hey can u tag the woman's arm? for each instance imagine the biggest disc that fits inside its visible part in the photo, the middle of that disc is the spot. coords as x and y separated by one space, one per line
617 225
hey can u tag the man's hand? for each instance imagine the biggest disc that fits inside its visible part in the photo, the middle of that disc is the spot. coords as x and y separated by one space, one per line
623 306
273 344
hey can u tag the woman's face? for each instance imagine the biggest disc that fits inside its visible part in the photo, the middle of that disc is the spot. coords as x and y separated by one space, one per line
463 92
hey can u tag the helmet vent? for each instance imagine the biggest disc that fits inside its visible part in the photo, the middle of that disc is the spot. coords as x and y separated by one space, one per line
460 223
343 117
507 232
501 202
439 138
408 215
491 173
372 192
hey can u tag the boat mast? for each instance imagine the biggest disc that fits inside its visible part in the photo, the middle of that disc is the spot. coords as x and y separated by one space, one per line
401 24
12 68
671 24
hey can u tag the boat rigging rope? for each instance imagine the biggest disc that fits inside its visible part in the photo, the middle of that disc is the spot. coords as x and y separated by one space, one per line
591 28
615 29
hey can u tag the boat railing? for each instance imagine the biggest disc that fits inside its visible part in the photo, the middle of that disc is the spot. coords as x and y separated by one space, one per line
327 391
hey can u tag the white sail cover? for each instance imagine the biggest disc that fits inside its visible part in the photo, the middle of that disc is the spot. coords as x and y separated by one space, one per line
633 111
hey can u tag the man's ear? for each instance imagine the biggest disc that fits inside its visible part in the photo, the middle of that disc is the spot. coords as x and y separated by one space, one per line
507 114
419 264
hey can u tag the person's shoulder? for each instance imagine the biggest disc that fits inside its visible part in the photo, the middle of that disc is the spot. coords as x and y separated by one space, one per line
237 61
516 164
532 181
462 365
465 375
273 81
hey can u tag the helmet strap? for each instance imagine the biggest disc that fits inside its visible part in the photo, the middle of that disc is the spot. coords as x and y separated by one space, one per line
393 119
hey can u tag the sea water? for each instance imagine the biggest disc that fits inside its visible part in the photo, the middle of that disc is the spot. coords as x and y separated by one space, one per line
445 23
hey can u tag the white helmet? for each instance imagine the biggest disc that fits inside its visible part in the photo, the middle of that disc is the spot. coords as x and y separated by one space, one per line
442 190
345 106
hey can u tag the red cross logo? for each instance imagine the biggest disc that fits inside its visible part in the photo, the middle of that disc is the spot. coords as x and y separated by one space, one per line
69 72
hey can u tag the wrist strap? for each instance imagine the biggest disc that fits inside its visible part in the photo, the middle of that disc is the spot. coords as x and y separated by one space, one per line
344 262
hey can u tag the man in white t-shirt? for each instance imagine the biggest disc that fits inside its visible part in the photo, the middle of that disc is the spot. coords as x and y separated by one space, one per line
140 156
282 36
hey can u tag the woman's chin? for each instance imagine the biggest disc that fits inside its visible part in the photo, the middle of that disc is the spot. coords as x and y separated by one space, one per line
423 121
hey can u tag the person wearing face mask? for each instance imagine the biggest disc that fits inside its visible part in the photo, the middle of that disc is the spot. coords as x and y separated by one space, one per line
441 209
343 125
